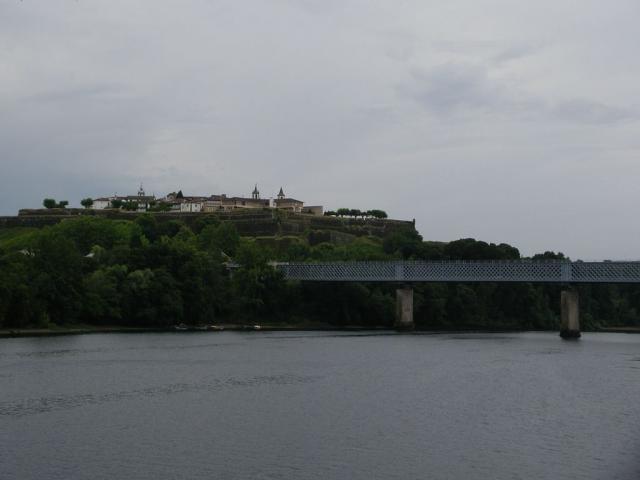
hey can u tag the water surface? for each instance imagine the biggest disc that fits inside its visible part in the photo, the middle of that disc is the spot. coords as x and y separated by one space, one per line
320 406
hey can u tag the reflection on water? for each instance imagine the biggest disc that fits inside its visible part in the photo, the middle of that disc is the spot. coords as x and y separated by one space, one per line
320 405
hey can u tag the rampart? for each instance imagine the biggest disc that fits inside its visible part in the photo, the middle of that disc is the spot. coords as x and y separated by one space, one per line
251 223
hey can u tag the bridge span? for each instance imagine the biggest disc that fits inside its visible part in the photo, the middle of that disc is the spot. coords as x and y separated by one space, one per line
405 273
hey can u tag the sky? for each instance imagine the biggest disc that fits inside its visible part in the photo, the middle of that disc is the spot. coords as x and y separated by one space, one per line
502 120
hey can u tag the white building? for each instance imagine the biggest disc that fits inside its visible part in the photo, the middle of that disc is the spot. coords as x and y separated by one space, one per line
141 201
101 203
192 204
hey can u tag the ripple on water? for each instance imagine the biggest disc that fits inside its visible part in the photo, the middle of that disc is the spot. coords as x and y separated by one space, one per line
32 406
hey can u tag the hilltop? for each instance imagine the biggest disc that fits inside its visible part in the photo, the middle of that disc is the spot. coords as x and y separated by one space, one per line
248 223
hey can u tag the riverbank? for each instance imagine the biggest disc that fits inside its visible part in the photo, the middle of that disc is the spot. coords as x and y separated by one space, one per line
89 329
620 329
234 327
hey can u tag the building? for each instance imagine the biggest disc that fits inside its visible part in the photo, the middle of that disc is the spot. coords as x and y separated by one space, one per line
192 204
102 203
140 202
177 202
291 204
313 210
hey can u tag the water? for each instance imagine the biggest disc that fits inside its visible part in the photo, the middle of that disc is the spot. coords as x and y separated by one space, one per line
320 406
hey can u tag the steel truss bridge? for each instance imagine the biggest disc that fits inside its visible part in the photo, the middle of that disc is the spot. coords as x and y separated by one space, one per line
562 272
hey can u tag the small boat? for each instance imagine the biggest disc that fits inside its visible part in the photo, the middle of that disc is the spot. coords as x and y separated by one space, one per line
215 328
181 327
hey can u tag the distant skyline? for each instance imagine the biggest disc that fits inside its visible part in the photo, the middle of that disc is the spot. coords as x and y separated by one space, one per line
501 120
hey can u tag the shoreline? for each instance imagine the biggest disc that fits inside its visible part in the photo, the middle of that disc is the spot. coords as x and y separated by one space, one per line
85 330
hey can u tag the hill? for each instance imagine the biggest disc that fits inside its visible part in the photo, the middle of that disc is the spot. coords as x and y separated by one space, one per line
248 223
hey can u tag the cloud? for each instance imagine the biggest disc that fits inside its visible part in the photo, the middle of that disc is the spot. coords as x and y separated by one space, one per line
463 89
515 52
85 92
587 111
449 89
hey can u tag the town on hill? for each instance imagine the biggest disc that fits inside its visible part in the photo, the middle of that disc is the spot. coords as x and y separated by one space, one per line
178 202
252 216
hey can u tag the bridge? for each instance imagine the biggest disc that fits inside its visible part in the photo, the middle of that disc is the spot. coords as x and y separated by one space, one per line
565 273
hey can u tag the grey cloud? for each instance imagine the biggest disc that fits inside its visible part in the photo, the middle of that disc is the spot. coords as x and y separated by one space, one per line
83 92
515 52
587 111
453 89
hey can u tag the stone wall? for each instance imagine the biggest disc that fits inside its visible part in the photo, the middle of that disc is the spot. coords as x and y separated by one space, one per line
252 223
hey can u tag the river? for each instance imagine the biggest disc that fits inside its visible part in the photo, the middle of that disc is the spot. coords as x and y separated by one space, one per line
320 405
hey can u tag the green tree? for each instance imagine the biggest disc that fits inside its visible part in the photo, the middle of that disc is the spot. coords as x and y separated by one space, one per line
152 298
102 300
364 249
472 249
377 213
117 203
259 290
49 203
549 256
159 207
20 306
58 277
149 226
405 243
169 228
223 237
203 221
86 202
87 231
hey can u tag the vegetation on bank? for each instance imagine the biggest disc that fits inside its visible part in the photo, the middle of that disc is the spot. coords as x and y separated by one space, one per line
145 273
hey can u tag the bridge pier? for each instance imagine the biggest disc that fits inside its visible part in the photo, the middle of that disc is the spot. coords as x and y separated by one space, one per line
404 308
569 313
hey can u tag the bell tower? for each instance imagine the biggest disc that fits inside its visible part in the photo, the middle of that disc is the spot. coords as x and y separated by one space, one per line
255 194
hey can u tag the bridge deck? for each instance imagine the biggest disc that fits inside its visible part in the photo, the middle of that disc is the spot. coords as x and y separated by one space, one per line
465 271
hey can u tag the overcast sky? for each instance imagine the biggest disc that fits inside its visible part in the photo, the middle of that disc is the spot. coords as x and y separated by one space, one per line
503 120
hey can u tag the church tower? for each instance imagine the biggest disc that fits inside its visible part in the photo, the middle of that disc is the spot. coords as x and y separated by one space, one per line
141 191
280 194
255 194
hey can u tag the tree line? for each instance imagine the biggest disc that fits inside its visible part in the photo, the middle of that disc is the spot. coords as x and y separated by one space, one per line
147 273
356 213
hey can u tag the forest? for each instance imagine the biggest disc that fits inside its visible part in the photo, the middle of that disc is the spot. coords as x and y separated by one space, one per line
145 273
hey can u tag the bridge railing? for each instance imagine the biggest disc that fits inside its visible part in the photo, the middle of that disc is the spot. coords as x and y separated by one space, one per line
465 271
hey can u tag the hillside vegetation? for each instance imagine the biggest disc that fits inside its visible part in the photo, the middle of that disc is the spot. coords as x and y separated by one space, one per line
144 272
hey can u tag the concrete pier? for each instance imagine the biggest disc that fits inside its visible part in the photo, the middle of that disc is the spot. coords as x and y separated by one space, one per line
404 308
569 313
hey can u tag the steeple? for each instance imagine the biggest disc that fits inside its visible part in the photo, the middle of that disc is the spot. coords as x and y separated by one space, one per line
141 191
255 194
280 194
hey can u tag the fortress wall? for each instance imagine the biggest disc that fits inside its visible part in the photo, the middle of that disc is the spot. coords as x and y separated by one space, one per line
251 223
